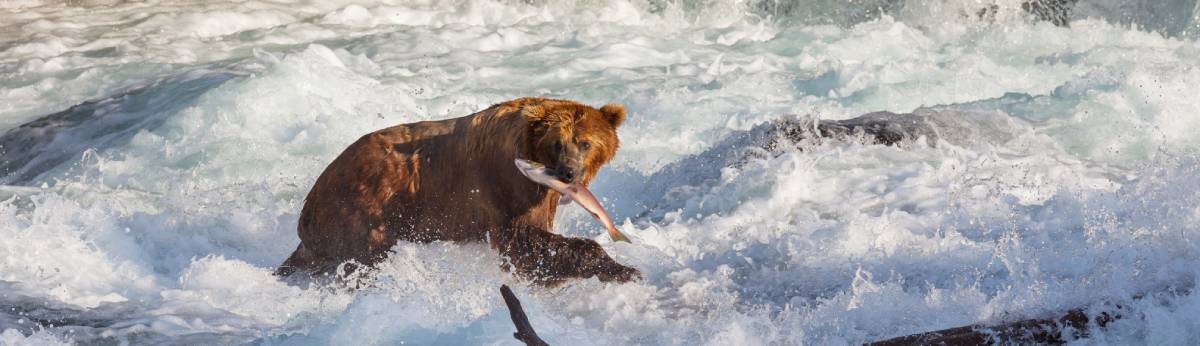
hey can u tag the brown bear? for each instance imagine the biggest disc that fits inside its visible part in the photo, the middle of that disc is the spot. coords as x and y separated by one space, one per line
455 180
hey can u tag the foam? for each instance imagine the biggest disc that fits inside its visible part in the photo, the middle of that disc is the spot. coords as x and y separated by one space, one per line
14 338
70 253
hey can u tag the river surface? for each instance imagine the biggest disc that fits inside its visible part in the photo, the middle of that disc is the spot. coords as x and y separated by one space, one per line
155 156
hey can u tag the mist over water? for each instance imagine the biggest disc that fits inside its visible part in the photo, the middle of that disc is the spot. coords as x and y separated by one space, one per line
155 156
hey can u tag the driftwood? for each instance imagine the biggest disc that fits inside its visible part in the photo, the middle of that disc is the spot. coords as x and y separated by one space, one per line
525 331
1073 325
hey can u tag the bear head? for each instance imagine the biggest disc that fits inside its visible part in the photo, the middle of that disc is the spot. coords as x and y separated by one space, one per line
573 140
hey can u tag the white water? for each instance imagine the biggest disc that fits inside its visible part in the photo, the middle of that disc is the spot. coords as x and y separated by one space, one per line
1066 176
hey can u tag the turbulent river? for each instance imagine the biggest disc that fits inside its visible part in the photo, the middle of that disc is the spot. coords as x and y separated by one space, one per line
155 156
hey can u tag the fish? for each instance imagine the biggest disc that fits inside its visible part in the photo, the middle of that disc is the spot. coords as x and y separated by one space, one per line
537 172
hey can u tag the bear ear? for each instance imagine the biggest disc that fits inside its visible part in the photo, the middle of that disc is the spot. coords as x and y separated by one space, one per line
614 113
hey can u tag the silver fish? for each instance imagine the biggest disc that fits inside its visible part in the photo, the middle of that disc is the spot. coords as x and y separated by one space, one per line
578 193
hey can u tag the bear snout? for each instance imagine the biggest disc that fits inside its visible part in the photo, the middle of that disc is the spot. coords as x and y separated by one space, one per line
568 174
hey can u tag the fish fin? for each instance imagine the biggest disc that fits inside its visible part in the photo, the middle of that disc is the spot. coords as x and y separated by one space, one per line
618 236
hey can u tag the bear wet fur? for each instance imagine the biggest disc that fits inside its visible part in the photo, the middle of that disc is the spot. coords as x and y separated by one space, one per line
454 180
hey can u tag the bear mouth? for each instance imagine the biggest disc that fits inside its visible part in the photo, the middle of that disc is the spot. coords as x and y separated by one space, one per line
580 194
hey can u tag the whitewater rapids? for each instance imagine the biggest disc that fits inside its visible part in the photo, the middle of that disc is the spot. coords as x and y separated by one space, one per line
155 156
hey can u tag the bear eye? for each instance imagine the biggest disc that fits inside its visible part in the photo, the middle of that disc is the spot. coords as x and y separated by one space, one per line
585 145
558 146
